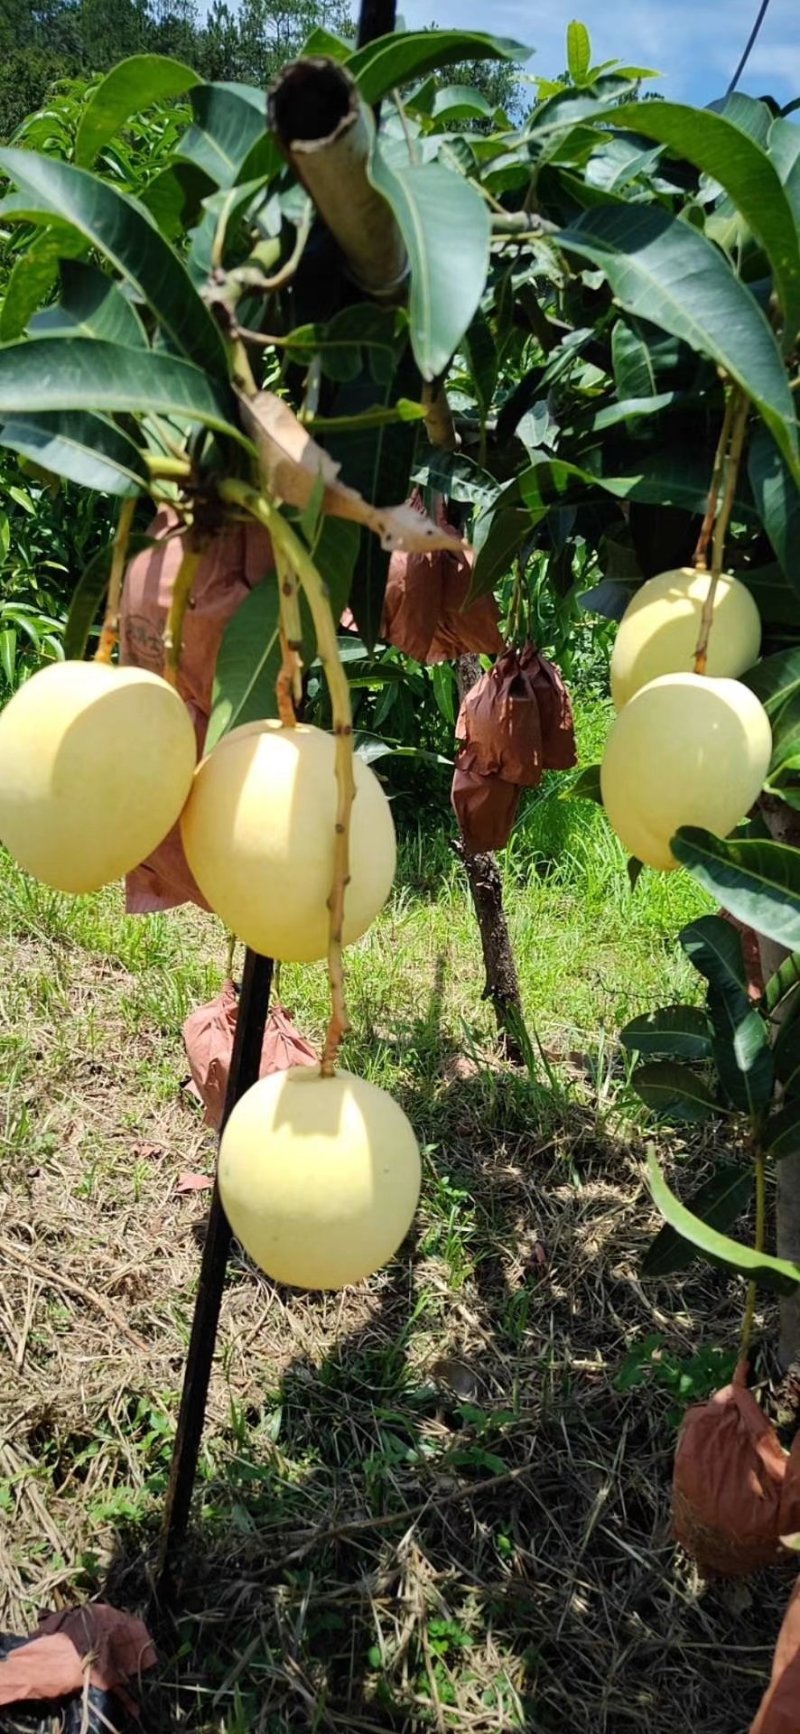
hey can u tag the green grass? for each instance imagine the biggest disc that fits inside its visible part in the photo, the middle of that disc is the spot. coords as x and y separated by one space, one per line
436 1501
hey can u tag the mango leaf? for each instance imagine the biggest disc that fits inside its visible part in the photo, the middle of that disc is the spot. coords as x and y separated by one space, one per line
673 1091
91 305
499 535
87 373
744 169
777 499
481 351
787 1057
660 267
460 102
229 136
760 1267
393 60
119 229
128 88
174 197
682 1032
783 983
88 595
83 448
714 947
446 228
335 550
783 145
775 680
32 276
782 1136
758 882
579 51
719 1203
248 664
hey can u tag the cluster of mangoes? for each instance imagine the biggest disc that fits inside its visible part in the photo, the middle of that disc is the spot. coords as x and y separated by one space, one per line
319 1175
685 748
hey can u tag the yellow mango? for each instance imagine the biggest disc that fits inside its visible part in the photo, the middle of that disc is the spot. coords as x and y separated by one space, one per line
319 1177
259 831
659 630
95 765
686 750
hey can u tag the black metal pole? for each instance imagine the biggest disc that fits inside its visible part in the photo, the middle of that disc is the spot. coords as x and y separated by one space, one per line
251 1021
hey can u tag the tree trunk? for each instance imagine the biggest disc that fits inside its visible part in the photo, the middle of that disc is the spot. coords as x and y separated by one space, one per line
486 889
784 827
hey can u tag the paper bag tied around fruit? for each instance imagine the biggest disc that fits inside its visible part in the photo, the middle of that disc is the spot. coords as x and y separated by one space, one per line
735 1491
514 724
423 609
234 562
208 1038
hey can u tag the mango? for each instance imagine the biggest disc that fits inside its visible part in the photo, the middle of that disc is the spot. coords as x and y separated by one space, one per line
659 630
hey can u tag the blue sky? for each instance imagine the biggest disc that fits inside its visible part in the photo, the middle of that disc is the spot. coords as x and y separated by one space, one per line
695 43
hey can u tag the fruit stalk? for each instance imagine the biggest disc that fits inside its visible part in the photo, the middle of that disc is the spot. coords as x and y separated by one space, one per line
289 686
738 407
761 1217
699 560
109 632
295 555
179 602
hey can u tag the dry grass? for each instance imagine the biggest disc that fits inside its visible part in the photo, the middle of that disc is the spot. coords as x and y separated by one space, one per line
424 1503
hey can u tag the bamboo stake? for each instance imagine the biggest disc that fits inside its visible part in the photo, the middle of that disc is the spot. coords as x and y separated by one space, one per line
326 134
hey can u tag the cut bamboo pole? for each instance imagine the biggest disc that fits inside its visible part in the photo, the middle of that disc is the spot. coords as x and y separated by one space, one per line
325 132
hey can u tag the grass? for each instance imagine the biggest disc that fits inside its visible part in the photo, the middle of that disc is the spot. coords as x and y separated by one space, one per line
437 1501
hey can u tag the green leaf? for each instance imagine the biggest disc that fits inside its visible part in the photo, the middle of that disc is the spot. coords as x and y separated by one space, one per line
334 552
586 786
782 1136
446 229
248 665
393 60
787 1056
783 145
88 595
32 277
381 415
86 373
634 375
499 535
777 500
461 102
128 88
714 947
673 1091
579 51
682 1032
756 881
481 351
229 134
775 680
174 197
91 305
771 1273
83 448
740 165
130 240
718 1203
784 982
660 267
